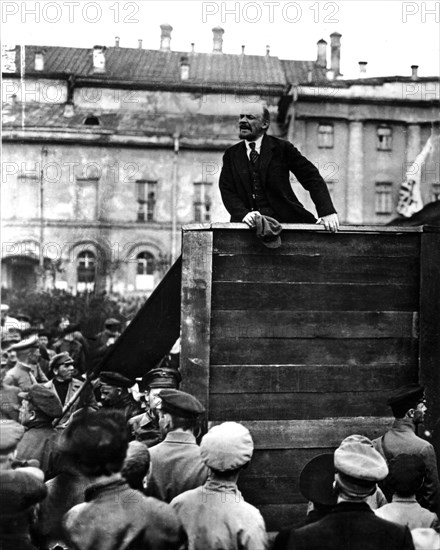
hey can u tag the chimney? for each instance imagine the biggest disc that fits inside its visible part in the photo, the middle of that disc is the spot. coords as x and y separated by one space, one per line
268 50
321 60
192 47
414 69
242 49
140 44
363 67
117 39
184 68
335 43
99 59
165 37
68 109
39 61
218 39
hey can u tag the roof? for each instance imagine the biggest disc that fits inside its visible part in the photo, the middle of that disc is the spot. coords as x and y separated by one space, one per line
138 123
158 67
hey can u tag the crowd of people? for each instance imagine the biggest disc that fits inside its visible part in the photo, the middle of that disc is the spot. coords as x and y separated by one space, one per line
105 462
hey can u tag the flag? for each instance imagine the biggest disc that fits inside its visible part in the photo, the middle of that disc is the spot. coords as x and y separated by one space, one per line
410 197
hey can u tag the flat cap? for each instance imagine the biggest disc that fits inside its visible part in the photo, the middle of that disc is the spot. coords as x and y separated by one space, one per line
44 399
72 328
60 359
356 457
24 345
115 379
316 480
162 378
410 395
111 321
180 403
227 446
10 434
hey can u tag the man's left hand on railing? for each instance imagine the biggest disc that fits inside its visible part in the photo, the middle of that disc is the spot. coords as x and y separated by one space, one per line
330 222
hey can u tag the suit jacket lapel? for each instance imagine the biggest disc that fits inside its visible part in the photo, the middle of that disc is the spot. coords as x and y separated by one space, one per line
265 157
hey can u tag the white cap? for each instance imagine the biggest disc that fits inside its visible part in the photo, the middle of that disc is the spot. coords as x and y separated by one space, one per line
227 446
425 538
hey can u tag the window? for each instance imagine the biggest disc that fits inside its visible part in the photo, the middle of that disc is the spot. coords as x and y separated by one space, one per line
87 198
202 201
384 138
26 203
92 121
85 271
325 136
435 192
146 198
145 271
383 198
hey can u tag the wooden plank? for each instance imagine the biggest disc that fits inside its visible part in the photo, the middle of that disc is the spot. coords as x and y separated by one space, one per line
196 314
313 324
278 516
283 462
320 243
271 490
308 434
285 351
316 268
290 406
429 366
309 378
314 296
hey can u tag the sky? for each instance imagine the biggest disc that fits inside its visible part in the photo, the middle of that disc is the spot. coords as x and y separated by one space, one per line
391 35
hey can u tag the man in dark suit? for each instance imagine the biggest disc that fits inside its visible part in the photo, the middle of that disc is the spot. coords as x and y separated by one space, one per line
352 525
255 177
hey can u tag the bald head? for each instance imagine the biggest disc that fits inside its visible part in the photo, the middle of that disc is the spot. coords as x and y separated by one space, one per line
253 121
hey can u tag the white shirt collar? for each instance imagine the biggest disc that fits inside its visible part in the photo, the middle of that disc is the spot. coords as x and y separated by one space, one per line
257 145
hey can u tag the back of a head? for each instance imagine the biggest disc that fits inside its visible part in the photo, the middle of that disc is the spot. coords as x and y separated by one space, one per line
97 442
406 474
136 464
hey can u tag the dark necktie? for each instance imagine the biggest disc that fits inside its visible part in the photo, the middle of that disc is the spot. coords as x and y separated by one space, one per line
254 156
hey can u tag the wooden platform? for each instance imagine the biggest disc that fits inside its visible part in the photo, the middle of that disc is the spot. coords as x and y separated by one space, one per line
304 343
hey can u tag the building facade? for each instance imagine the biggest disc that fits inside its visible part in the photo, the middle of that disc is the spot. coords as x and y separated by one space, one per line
109 151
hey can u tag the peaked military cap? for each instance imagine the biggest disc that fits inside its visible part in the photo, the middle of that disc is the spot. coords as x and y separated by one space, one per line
357 458
111 321
409 395
162 377
180 403
28 343
60 359
115 379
